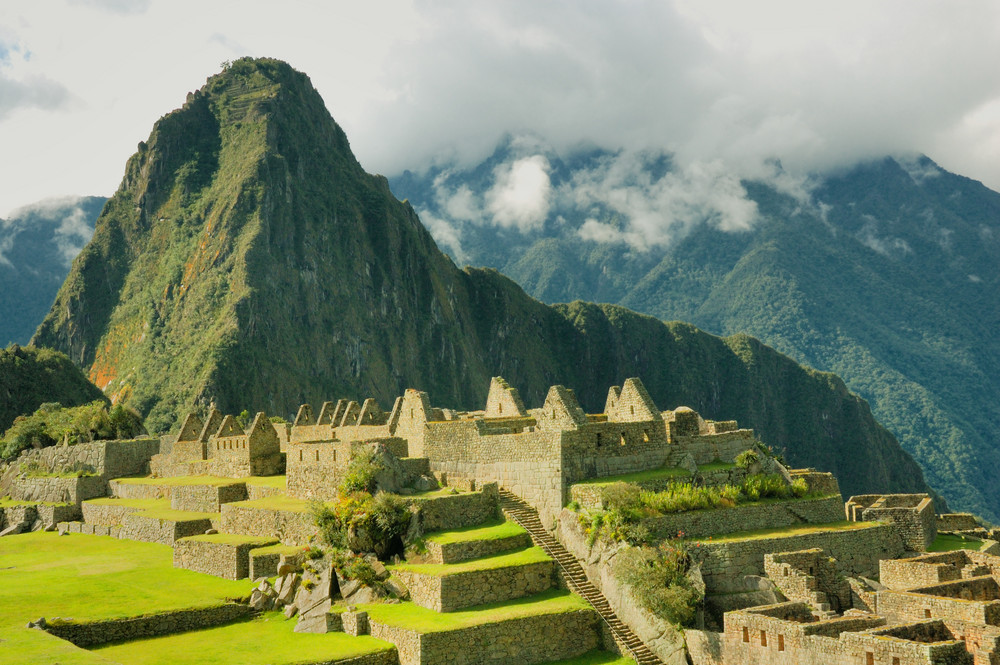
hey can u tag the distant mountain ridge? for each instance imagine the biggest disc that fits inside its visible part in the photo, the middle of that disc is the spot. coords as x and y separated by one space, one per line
37 246
248 261
886 273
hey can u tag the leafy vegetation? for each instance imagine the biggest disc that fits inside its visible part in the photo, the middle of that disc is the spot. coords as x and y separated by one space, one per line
627 504
362 522
658 576
52 424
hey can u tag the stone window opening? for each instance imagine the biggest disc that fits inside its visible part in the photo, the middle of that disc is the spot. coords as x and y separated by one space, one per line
317 455
781 642
623 438
810 570
631 409
927 614
763 638
746 634
500 408
895 660
300 455
598 443
869 658
645 435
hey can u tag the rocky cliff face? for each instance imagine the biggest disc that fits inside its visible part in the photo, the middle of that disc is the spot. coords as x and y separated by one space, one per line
248 260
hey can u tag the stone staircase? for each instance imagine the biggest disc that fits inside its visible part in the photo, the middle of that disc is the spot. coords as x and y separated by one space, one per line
522 513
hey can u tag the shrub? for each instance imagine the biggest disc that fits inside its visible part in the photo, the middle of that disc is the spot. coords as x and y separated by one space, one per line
360 473
658 579
621 496
746 459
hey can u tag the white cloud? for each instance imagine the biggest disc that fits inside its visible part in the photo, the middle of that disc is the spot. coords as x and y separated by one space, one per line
520 195
415 82
445 234
73 231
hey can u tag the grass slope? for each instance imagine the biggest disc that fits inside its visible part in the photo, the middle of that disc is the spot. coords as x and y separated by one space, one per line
90 578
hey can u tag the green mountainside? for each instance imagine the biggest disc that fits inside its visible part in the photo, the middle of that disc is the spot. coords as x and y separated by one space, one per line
888 276
37 246
247 260
32 377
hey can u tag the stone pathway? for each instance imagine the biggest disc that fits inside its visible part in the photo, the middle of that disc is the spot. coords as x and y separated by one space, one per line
522 513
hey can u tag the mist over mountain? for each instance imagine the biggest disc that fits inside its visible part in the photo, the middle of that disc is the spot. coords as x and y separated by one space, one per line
37 246
248 261
886 273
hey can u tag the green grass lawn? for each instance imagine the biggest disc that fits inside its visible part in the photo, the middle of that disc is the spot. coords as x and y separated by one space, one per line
183 481
85 577
523 557
596 658
281 502
493 531
287 550
408 615
7 502
266 640
797 530
154 509
276 482
638 477
947 542
232 539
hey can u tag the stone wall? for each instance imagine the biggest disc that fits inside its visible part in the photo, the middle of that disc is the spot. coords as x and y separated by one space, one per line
857 551
91 634
206 498
120 490
957 522
229 560
137 526
455 511
971 601
314 469
448 593
108 459
747 517
528 464
927 570
105 514
291 528
913 515
55 489
525 640
802 576
817 482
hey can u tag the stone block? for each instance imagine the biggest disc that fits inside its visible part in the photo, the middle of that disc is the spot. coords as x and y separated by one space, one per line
221 555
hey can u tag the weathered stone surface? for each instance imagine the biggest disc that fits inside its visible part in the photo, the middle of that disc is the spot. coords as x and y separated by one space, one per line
524 640
90 634
448 593
220 558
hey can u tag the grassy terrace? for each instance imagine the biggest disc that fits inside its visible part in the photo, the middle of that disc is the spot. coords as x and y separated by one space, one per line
281 502
523 557
408 615
277 549
947 542
232 539
798 530
154 509
266 640
90 578
276 482
656 474
495 531
596 658
182 481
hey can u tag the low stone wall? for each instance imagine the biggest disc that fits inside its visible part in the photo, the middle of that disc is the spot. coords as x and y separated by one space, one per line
136 526
206 498
387 657
448 593
291 528
459 510
122 490
747 517
105 514
53 514
957 522
59 489
857 551
663 639
473 549
91 634
229 560
262 491
165 466
108 459
526 640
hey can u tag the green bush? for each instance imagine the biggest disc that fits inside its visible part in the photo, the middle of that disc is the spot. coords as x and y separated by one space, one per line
51 423
746 459
658 578
360 473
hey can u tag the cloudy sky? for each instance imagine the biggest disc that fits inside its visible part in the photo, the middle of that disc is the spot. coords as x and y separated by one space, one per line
729 84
